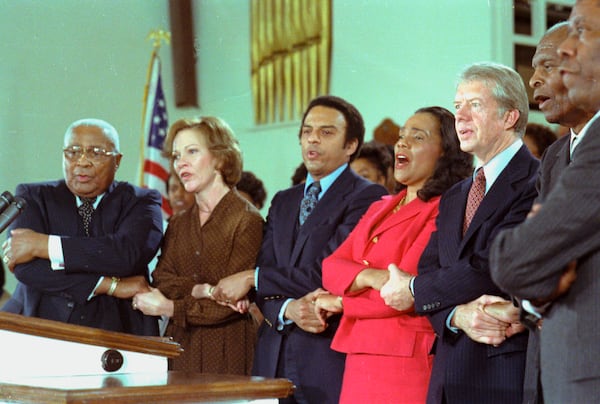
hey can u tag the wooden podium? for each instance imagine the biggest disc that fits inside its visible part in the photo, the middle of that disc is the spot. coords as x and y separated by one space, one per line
45 361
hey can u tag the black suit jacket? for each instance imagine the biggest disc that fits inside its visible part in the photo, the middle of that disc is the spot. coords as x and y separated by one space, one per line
454 270
125 233
290 267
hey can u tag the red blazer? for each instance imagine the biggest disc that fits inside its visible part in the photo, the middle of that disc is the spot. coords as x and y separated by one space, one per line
381 237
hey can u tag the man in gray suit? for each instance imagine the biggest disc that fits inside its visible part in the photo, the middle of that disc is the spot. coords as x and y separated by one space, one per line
552 96
552 259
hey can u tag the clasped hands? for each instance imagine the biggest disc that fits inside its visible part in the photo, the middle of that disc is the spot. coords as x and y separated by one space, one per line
151 301
207 291
231 291
488 319
234 288
396 291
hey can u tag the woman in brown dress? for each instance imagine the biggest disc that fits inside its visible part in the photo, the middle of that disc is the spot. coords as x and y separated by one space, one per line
220 235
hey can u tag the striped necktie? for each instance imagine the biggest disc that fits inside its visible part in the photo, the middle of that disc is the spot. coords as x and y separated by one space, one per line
476 194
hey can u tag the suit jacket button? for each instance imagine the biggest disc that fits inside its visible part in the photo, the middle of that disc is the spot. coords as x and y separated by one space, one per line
375 240
365 262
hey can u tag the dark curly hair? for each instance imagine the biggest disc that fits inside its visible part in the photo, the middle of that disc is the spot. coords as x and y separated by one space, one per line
377 154
299 175
253 186
453 165
541 135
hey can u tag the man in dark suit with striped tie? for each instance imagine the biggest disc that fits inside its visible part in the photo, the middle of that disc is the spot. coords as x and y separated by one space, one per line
478 358
81 248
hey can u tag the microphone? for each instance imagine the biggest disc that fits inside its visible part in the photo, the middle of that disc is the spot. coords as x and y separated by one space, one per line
11 213
5 199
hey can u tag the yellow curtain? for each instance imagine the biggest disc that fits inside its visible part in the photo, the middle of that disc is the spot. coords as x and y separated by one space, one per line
290 52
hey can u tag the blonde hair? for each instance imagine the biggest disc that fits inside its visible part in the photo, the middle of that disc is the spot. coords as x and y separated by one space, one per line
219 140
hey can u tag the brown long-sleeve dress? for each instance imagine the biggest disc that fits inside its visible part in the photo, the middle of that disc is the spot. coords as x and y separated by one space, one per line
215 338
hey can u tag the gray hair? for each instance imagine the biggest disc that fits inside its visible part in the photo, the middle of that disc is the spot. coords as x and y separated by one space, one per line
109 131
557 26
507 88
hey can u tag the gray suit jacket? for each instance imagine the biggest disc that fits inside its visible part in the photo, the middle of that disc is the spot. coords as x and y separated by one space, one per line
554 161
528 261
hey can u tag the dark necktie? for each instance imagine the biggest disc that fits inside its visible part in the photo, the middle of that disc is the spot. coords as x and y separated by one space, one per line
476 194
309 201
572 145
85 210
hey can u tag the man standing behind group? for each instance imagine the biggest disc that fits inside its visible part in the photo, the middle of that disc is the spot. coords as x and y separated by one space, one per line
535 260
79 236
292 342
551 94
478 358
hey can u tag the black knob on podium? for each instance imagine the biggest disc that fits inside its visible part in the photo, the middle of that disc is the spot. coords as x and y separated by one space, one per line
112 360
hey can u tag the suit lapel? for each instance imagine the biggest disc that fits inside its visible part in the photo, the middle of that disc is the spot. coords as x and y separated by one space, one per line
290 239
333 199
456 200
60 224
561 160
402 215
514 172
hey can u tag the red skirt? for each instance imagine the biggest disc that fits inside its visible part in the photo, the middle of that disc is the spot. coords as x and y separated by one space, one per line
370 378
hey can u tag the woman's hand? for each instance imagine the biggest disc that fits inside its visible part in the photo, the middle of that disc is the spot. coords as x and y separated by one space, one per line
241 306
326 305
153 303
203 291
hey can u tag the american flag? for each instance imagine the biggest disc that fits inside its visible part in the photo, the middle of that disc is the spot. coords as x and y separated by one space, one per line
155 167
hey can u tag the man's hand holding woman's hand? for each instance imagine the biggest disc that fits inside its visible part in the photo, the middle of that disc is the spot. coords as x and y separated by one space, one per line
207 291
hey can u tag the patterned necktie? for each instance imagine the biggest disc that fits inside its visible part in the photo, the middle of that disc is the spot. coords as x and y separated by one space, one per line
85 211
309 201
476 194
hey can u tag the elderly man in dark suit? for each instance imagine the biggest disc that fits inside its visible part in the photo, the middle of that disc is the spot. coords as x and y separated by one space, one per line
292 342
552 259
480 348
79 236
551 94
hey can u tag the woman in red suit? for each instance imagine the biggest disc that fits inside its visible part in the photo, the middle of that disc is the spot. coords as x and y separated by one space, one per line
387 350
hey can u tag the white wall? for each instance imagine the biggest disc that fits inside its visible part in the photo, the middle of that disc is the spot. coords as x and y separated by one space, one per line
68 59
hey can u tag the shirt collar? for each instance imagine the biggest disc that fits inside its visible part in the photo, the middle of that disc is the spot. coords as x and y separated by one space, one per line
498 163
326 181
96 203
577 137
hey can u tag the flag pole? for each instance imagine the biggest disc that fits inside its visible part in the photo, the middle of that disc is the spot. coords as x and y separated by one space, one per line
158 36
